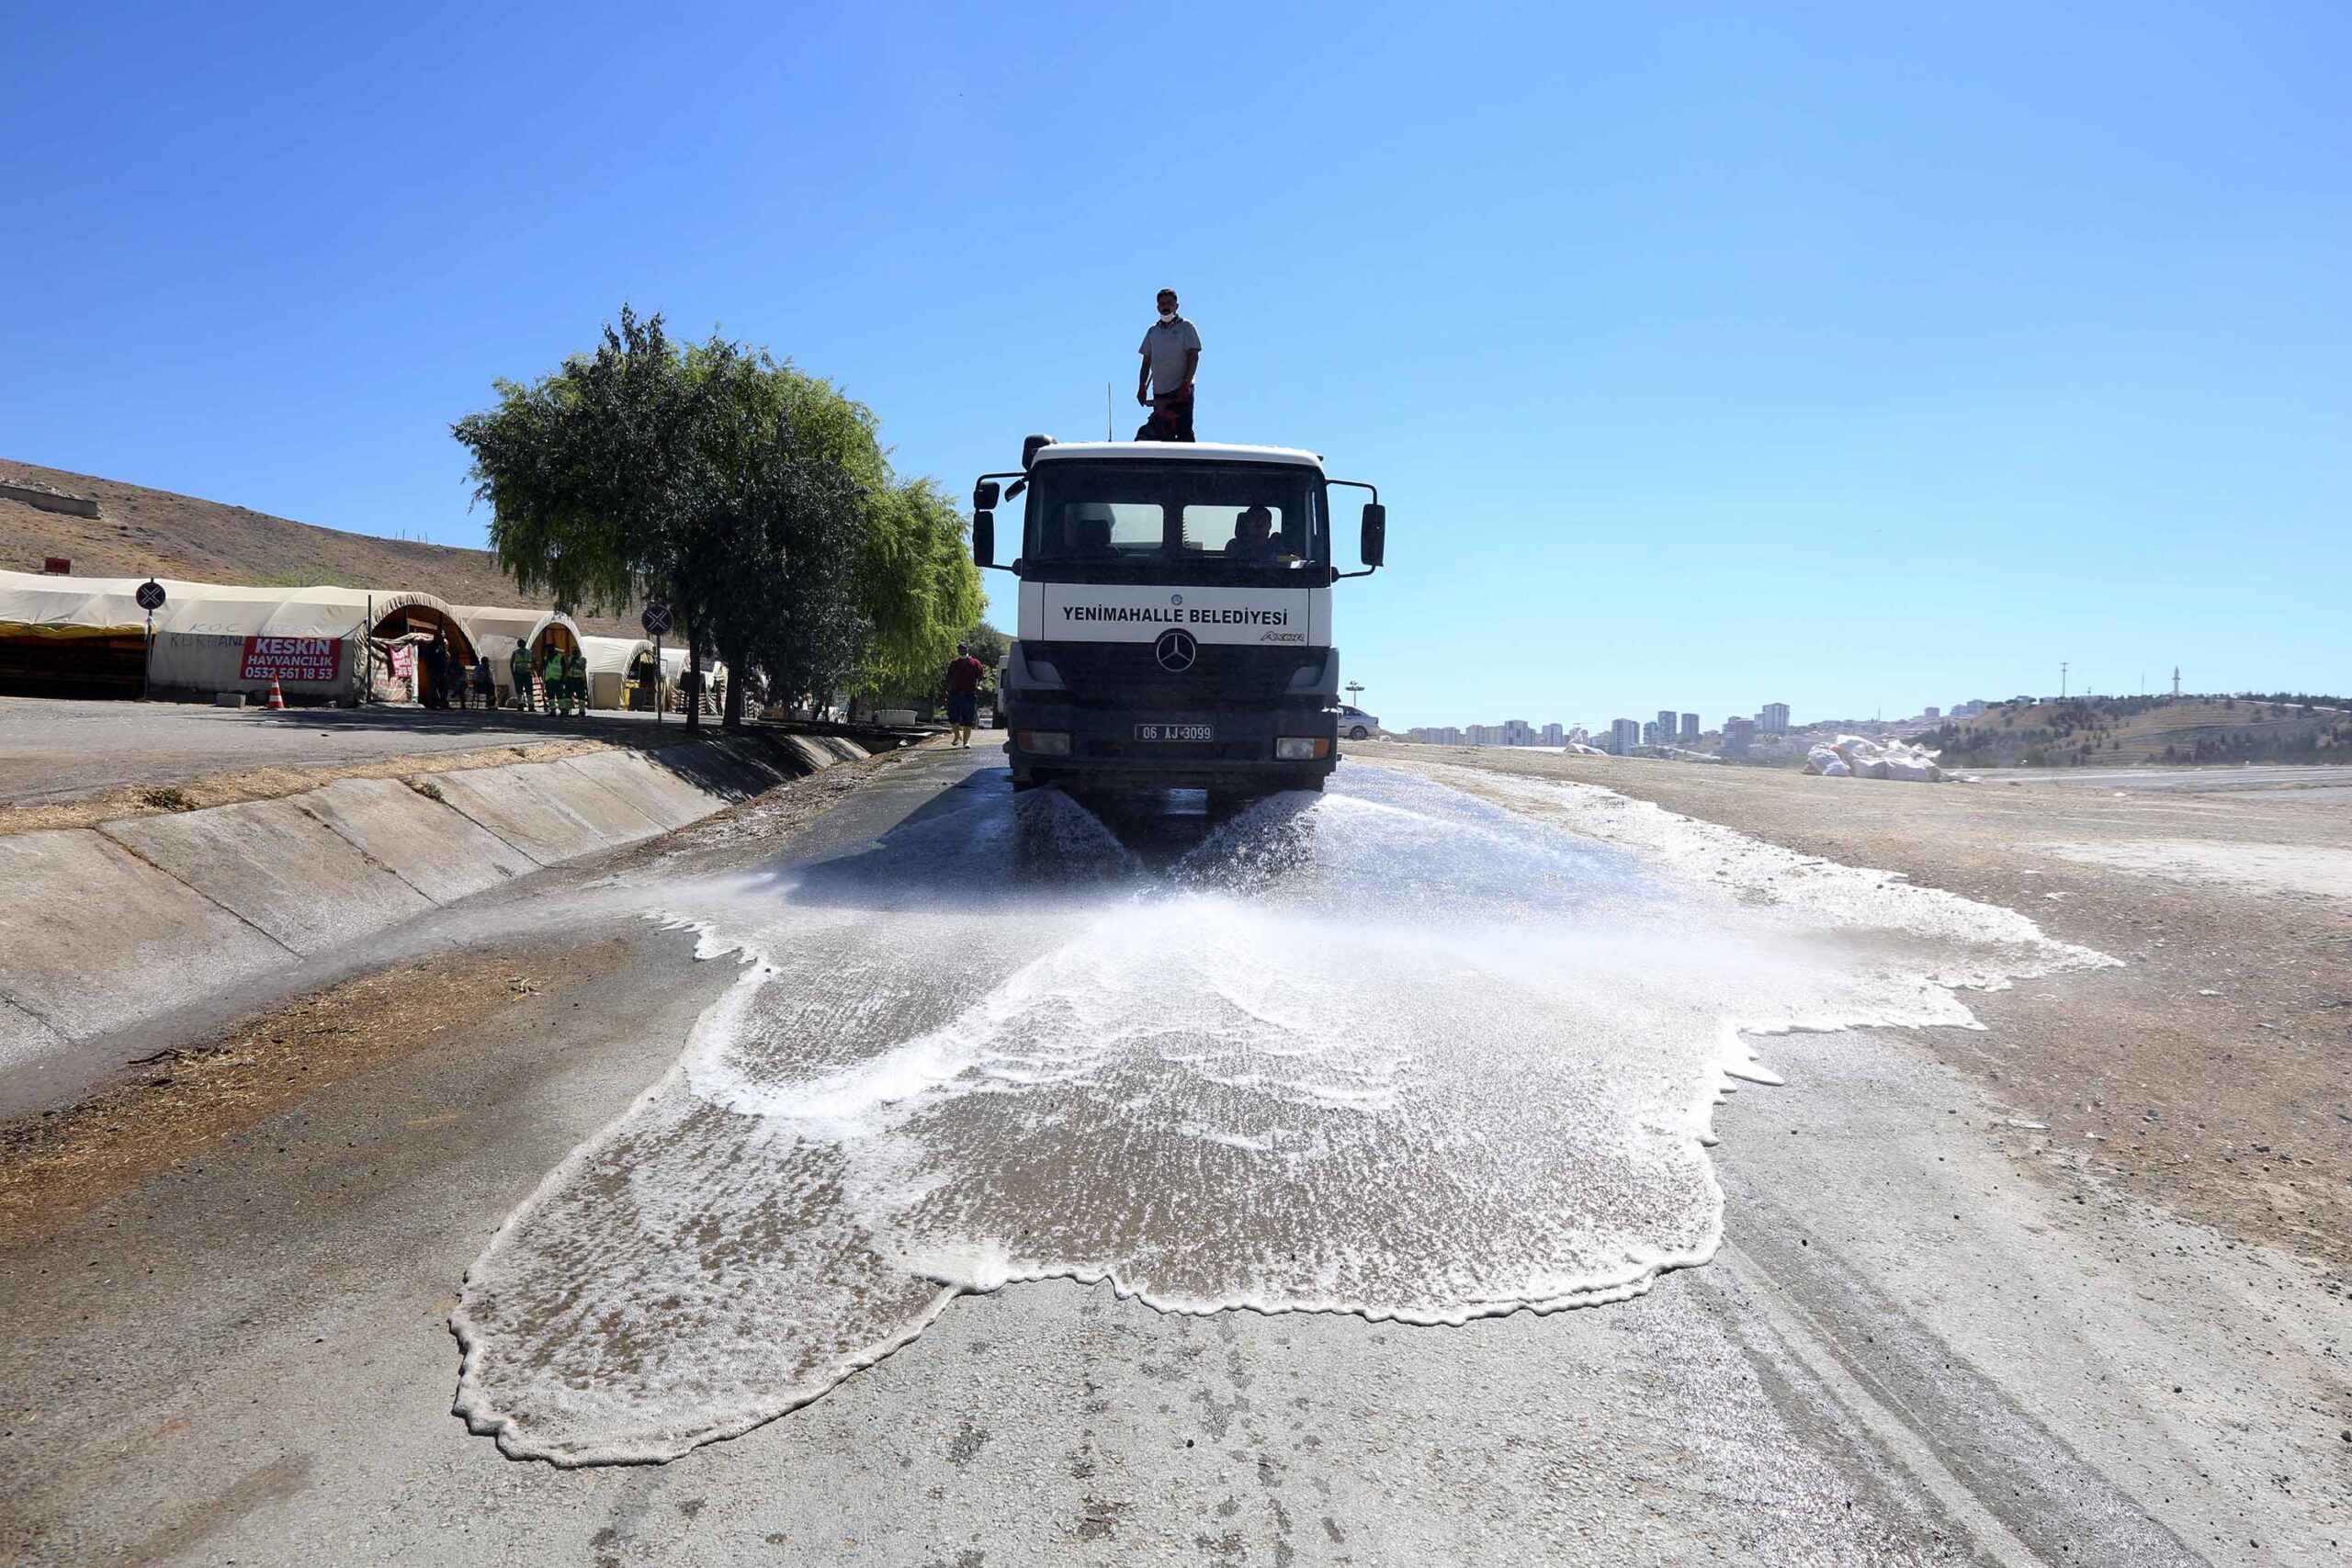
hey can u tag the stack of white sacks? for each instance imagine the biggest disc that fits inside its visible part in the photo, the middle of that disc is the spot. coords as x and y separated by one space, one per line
1851 756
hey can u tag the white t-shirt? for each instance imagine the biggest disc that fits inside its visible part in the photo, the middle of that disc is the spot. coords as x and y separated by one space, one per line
1164 346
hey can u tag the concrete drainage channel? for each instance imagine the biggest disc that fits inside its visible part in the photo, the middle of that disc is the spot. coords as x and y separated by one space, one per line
104 927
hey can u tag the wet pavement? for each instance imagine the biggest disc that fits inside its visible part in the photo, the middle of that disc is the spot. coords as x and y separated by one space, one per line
1332 1181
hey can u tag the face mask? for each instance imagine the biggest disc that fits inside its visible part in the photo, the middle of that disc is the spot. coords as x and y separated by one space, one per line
1167 315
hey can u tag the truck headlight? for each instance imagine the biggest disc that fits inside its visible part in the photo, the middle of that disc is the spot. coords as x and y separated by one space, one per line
1043 742
1300 749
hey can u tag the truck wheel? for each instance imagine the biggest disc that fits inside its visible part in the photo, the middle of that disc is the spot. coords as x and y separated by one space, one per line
1022 781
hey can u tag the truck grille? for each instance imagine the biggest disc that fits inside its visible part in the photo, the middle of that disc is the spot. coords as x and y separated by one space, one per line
1128 673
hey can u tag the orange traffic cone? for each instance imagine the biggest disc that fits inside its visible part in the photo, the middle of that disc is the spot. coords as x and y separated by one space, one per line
277 697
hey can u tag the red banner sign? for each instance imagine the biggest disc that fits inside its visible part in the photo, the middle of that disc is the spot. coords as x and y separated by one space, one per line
315 659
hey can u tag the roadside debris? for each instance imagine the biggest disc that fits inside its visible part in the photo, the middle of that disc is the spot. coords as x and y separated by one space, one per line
1854 756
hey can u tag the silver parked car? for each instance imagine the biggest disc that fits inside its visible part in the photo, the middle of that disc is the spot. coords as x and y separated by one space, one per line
1355 724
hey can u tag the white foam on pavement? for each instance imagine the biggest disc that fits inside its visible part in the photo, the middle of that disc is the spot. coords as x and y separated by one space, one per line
1392 1051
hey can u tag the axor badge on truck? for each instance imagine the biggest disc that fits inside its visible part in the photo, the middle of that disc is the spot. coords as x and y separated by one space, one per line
1175 622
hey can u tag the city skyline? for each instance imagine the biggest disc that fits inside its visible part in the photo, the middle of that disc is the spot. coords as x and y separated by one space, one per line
1678 729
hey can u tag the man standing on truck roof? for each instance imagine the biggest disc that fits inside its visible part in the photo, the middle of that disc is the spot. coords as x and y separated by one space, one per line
1172 353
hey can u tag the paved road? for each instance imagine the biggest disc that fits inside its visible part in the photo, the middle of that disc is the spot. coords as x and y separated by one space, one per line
1396 1054
2308 785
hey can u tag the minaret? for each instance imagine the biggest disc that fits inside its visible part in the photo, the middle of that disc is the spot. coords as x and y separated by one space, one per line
2175 680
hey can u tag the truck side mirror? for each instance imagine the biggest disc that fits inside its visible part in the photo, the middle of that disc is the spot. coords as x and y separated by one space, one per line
984 496
1030 446
1375 533
984 537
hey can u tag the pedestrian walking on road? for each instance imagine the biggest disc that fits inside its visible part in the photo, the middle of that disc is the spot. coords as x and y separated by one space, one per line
964 675
485 682
1171 353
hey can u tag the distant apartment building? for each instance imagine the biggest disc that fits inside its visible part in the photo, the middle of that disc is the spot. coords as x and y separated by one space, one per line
1690 727
1774 719
1649 733
1624 734
1739 734
1933 712
1666 726
1555 736
1518 732
1970 709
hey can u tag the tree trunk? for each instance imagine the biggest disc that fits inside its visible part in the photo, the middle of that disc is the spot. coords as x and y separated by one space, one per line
730 709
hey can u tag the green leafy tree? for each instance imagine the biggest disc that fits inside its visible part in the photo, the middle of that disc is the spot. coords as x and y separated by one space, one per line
776 528
585 469
986 643
919 589
754 498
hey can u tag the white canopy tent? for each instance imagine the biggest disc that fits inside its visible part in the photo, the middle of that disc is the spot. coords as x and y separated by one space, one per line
498 630
36 605
614 664
220 638
76 633
213 636
674 669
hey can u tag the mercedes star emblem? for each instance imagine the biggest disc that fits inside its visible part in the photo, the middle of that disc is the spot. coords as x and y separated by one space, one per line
1176 650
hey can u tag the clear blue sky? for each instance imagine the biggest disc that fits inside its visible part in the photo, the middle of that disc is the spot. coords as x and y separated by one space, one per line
1706 355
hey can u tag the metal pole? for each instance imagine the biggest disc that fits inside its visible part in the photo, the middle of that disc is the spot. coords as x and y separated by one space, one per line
657 682
147 665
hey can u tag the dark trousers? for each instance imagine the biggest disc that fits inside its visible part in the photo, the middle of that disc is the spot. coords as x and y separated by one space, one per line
1172 419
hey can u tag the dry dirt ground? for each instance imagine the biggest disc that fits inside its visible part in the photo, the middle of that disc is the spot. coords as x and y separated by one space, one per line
57 1164
271 783
2207 1075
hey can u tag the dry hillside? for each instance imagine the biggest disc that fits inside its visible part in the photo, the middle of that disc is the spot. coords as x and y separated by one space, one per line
154 531
2148 729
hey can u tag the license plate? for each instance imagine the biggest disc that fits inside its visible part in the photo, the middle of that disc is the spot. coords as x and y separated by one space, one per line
1175 732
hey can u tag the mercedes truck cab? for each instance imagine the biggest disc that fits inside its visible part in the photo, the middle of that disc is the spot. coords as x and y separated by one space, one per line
1175 621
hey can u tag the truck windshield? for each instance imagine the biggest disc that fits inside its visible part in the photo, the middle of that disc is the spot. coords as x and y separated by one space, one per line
1178 521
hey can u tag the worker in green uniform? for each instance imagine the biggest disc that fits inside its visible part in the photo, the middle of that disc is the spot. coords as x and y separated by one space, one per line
577 664
551 671
521 665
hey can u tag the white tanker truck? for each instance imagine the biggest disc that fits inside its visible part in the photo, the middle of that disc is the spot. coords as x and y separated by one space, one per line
1175 620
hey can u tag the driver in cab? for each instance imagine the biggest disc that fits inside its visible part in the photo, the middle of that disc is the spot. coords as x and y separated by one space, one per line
1253 538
